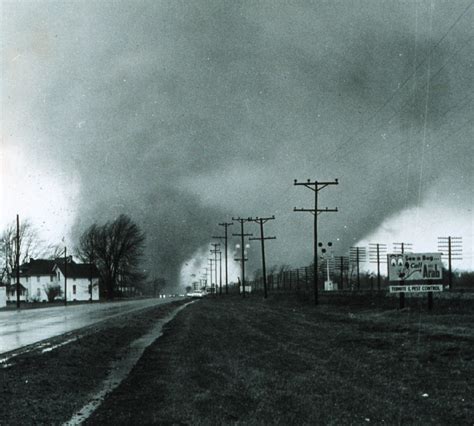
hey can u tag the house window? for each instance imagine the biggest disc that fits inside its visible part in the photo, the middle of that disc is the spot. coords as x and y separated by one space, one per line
38 279
74 289
59 276
26 278
51 278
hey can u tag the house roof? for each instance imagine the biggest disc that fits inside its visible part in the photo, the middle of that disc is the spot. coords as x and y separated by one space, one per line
36 267
13 286
79 270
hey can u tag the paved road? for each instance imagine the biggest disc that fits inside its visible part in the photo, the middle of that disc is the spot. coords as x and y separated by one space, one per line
25 327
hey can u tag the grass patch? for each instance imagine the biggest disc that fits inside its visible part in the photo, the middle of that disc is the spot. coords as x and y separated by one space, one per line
229 360
47 388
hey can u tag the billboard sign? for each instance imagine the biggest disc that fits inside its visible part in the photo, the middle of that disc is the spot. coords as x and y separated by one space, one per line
422 288
414 266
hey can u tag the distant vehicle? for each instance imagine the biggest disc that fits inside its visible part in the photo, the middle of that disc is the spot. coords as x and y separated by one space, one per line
196 293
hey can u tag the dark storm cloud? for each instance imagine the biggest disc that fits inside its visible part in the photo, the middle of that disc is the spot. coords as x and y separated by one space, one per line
183 114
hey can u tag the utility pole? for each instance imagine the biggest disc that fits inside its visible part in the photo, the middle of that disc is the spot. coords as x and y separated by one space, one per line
220 272
65 276
242 259
215 251
342 265
261 221
17 261
358 255
91 264
316 187
205 279
225 225
210 271
402 247
450 248
375 250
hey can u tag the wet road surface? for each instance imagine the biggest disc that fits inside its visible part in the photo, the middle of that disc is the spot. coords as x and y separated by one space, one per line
25 327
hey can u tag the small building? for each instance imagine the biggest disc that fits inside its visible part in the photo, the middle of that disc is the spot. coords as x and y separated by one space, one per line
35 277
11 292
43 279
82 280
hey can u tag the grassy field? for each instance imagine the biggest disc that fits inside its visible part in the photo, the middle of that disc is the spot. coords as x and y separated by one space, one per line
283 361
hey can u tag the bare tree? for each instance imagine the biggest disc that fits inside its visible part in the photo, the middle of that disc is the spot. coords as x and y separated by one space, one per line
29 242
55 251
116 248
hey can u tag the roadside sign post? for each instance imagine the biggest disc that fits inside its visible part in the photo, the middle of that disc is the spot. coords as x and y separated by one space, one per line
415 267
402 297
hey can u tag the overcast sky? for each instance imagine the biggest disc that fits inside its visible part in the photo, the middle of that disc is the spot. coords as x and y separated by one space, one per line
183 114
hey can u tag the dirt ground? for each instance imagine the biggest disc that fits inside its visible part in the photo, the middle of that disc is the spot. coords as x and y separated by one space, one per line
228 360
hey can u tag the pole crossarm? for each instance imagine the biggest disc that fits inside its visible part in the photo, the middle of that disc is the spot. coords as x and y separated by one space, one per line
260 239
262 219
315 185
319 211
402 247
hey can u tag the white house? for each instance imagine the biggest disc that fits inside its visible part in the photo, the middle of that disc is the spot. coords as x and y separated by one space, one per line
82 280
38 276
35 276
